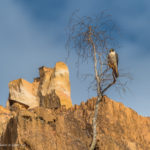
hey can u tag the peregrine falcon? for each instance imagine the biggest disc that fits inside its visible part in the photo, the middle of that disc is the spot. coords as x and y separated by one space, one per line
113 61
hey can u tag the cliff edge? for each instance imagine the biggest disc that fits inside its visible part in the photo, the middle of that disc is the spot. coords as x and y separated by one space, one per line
118 128
40 116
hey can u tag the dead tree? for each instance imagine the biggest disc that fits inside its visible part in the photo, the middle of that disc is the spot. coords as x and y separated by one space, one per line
91 38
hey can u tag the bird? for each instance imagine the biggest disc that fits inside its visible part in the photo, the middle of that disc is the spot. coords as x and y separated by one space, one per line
113 61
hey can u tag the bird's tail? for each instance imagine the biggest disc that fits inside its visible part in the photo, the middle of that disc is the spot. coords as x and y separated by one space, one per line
115 71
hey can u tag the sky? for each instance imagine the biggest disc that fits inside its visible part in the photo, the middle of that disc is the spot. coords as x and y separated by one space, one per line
32 34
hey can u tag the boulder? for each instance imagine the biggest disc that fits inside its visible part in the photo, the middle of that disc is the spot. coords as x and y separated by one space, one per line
22 91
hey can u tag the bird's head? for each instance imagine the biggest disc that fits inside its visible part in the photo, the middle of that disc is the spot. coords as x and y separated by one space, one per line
111 50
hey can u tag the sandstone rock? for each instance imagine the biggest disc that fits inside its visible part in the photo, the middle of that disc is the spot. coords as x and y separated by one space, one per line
118 128
61 84
51 101
22 91
122 127
16 106
5 116
57 80
51 83
4 110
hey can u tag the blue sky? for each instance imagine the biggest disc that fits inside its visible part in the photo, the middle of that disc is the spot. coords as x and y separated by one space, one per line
32 34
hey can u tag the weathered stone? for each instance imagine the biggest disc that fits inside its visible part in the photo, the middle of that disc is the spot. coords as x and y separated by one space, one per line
16 106
58 80
51 101
118 128
42 118
5 116
22 91
41 91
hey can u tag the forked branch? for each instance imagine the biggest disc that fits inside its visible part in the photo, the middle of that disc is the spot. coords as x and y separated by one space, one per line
113 82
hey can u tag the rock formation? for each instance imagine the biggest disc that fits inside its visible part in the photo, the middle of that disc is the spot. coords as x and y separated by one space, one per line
40 116
55 82
22 91
50 90
5 116
118 128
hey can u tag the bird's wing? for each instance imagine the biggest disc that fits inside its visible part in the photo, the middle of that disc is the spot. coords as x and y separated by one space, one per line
117 59
108 58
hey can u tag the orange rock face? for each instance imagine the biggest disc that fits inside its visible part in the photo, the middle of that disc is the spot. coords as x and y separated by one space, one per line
35 94
5 116
61 84
23 92
118 128
42 118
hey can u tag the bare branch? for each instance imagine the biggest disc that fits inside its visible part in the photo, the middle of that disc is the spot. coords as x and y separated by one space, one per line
113 82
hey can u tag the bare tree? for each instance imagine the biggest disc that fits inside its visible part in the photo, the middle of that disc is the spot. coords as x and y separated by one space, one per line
91 38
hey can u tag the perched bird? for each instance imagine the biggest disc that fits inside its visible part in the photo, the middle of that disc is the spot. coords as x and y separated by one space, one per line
113 61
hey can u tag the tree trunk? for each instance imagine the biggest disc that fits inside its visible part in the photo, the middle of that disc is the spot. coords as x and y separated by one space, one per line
99 95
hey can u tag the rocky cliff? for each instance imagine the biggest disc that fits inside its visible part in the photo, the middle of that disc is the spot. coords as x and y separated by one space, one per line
119 128
52 123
